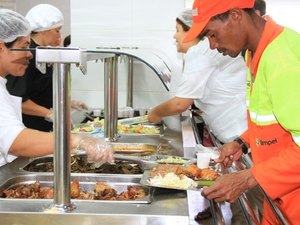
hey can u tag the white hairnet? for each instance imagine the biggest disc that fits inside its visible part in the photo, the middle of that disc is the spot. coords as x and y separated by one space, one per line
186 17
44 17
12 25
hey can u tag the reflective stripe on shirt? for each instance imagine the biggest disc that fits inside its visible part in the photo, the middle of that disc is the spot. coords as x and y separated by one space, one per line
265 119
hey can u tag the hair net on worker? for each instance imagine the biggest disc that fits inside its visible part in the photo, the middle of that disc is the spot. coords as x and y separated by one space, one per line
186 17
44 17
12 25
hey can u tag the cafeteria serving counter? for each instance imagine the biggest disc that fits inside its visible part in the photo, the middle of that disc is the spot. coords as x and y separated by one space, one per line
163 206
166 207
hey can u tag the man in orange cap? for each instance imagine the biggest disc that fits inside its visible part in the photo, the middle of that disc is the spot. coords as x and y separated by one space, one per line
273 95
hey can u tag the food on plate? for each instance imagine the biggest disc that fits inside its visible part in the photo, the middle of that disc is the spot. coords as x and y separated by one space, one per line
195 171
208 174
102 191
172 180
163 169
173 160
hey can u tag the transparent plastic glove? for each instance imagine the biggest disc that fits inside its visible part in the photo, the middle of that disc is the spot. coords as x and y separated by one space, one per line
49 117
97 150
78 105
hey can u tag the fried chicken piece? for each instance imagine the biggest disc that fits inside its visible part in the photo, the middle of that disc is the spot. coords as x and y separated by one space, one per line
136 192
86 196
46 193
194 170
104 191
100 187
75 189
208 174
123 196
163 169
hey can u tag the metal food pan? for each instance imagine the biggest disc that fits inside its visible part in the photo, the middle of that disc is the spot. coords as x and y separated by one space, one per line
134 148
79 164
86 184
159 127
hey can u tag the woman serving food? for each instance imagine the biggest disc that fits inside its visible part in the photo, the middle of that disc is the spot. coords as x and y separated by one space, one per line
15 138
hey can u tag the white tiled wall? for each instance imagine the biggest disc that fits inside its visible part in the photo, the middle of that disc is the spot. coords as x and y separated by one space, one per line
285 13
138 23
141 23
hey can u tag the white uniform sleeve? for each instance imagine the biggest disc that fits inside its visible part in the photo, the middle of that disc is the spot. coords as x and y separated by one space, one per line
10 119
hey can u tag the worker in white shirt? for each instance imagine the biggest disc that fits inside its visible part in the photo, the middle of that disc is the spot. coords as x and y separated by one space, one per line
15 138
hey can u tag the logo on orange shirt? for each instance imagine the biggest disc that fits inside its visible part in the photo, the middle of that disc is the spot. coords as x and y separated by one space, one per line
266 142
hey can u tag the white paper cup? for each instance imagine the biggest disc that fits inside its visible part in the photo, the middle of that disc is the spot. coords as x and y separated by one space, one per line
203 159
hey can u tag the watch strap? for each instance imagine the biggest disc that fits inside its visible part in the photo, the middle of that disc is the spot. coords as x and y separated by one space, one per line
242 144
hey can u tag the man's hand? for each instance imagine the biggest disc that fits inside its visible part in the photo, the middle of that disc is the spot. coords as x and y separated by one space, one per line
229 187
229 152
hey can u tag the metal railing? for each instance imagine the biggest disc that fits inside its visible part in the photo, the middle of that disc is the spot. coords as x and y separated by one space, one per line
250 216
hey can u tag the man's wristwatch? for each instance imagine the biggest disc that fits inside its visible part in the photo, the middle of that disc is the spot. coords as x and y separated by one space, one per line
242 144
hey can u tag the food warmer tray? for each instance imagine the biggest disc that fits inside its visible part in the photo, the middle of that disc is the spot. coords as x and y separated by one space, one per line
79 164
86 184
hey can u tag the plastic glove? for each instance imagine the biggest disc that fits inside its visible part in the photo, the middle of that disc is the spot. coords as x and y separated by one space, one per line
78 105
97 150
49 117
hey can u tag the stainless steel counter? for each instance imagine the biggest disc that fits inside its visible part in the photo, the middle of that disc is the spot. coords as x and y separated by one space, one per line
167 206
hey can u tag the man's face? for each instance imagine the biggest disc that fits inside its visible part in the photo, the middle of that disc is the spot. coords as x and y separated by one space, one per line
15 62
226 35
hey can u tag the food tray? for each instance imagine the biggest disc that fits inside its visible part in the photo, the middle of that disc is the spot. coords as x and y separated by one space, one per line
167 159
141 129
200 183
79 164
134 120
86 183
134 148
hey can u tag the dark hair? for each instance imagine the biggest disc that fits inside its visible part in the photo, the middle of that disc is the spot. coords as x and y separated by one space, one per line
223 16
184 27
260 5
11 43
67 41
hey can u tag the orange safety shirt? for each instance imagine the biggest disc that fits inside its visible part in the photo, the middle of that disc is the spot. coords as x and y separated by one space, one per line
273 101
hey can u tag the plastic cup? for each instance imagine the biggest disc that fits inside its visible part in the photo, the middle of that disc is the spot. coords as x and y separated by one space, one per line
131 112
97 112
203 159
143 111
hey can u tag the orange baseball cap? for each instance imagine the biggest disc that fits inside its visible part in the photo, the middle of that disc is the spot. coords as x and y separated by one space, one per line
204 10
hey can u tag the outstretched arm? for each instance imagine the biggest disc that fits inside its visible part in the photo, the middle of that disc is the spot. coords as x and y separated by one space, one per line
31 108
171 107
